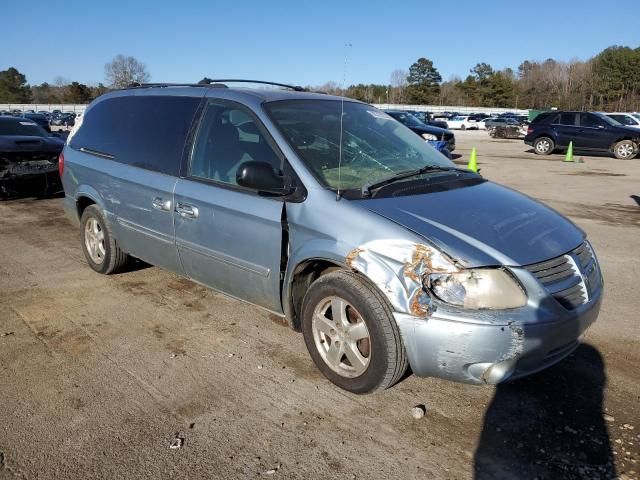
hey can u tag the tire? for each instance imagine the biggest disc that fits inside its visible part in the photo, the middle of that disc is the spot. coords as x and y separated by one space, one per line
98 243
462 127
625 150
543 146
380 357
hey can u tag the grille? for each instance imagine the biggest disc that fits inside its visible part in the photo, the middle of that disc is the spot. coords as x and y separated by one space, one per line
570 278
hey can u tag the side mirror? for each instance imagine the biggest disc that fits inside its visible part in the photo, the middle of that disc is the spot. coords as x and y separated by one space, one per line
260 176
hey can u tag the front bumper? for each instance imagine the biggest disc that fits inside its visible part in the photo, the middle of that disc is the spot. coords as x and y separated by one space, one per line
30 180
455 349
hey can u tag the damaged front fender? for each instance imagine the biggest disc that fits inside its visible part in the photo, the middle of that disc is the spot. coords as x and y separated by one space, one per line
398 267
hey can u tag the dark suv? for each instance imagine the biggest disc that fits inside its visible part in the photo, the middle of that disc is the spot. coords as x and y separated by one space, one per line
587 130
427 132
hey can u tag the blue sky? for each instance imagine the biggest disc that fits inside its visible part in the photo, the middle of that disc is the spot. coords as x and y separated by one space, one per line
301 42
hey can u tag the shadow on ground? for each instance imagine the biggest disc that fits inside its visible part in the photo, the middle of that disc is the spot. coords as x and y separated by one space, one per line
549 425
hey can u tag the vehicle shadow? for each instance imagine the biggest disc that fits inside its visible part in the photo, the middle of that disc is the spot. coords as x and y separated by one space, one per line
635 198
39 192
549 425
133 265
576 153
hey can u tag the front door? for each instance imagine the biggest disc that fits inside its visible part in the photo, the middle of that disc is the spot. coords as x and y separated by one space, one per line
594 132
229 237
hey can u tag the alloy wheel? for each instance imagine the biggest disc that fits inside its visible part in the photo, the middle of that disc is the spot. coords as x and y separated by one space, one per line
341 337
625 150
94 240
543 146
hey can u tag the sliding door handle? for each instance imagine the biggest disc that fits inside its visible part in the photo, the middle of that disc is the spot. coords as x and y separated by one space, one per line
161 204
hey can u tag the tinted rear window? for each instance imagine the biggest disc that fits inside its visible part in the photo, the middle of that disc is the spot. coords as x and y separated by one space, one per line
147 131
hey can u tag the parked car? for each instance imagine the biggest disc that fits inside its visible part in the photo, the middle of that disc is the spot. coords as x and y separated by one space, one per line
427 132
588 131
482 123
462 123
64 120
330 213
427 119
39 119
500 122
478 116
627 119
28 158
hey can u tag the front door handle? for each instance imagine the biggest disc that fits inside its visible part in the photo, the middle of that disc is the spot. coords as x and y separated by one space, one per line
161 204
186 211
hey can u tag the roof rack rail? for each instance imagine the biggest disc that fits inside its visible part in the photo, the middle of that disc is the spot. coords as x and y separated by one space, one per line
216 83
262 82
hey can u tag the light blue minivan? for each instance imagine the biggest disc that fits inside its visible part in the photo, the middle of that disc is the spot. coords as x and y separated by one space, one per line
332 214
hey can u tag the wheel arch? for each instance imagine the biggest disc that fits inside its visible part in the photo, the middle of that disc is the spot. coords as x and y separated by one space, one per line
302 275
85 196
623 138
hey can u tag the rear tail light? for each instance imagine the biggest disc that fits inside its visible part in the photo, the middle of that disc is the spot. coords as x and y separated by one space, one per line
529 130
61 164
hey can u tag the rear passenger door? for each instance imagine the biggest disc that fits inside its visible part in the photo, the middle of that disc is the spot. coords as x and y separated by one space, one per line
230 237
143 136
565 126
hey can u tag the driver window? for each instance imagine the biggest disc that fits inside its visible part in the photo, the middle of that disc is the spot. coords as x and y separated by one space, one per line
588 120
227 138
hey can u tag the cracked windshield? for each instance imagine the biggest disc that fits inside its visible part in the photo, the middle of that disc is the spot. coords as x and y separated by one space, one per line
374 146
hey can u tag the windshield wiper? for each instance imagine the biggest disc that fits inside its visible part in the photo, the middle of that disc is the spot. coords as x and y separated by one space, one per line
367 188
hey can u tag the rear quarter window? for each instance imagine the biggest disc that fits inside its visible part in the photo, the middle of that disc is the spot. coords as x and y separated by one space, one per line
143 131
545 118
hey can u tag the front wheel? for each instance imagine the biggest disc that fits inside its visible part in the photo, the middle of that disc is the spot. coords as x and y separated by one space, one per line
543 146
625 150
351 334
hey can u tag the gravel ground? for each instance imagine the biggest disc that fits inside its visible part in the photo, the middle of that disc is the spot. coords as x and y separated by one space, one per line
101 376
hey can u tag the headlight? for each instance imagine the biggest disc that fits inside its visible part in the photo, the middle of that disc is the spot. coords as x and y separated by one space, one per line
429 136
478 288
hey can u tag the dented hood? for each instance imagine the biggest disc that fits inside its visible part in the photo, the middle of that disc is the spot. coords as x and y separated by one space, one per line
482 225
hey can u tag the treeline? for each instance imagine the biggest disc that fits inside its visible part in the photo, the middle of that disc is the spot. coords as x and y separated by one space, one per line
14 89
120 72
609 81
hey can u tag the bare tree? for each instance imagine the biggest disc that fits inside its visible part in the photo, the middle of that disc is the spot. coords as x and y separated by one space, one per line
398 81
330 87
123 71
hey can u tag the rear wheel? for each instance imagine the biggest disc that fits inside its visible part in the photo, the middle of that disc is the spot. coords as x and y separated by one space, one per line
543 146
625 150
98 244
351 334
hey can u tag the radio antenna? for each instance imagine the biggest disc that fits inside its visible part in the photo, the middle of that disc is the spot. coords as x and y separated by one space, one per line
344 81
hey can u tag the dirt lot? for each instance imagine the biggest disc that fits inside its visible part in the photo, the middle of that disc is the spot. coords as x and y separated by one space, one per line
99 375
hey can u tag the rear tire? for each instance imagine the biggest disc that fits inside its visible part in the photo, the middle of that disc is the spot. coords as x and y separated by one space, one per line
98 243
360 348
543 146
625 150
